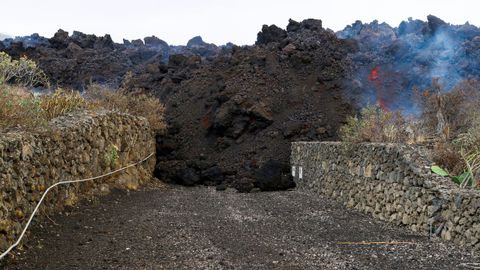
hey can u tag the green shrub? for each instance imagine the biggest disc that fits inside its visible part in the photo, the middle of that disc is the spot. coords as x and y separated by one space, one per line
22 72
19 109
61 102
374 124
135 103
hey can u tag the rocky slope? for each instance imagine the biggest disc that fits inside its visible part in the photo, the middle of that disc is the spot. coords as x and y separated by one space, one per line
79 59
232 119
234 110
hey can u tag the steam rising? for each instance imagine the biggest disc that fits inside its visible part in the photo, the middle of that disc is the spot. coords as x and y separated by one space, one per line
409 55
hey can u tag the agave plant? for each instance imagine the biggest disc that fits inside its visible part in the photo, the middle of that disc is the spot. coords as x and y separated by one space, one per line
471 159
468 144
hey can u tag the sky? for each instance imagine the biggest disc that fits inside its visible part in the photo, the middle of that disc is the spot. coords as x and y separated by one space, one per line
217 21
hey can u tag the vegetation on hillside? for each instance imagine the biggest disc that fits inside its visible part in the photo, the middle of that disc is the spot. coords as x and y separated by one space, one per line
22 72
373 124
450 121
135 103
20 109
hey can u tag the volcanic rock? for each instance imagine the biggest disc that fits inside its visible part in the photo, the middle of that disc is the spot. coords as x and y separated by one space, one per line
232 119
59 40
221 187
269 34
153 41
137 42
233 109
293 26
83 40
229 106
274 175
310 24
166 145
104 42
196 41
188 177
177 171
407 57
244 185
197 46
73 50
435 23
292 129
77 60
289 49
212 176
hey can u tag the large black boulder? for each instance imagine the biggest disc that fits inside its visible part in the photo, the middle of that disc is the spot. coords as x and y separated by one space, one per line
104 42
233 120
212 176
243 185
83 40
137 43
293 26
177 172
154 41
188 177
274 175
177 60
435 23
270 33
196 41
59 40
310 24
166 146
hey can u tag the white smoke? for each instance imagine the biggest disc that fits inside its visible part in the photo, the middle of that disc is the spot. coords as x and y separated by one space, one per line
4 36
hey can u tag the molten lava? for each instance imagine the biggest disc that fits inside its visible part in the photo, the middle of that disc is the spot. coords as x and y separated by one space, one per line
374 77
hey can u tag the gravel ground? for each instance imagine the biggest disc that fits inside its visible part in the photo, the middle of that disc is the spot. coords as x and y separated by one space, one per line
200 228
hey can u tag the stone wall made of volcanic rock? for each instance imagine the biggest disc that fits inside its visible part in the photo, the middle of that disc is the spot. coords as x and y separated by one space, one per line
76 146
393 183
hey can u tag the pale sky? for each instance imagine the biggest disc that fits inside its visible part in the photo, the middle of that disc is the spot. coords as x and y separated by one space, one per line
217 21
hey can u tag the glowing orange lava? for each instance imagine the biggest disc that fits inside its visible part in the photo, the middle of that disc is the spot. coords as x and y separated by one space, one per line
374 77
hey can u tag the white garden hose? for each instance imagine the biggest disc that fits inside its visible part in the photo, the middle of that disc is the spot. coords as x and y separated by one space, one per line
60 183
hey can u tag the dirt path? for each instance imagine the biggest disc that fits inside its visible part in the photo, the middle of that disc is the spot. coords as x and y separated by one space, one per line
200 228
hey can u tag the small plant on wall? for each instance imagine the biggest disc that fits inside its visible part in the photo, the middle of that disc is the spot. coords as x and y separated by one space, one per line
111 156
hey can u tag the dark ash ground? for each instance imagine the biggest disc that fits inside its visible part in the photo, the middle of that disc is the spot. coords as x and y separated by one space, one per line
200 228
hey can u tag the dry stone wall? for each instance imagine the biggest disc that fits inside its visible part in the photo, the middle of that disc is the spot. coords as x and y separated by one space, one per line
76 146
392 182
